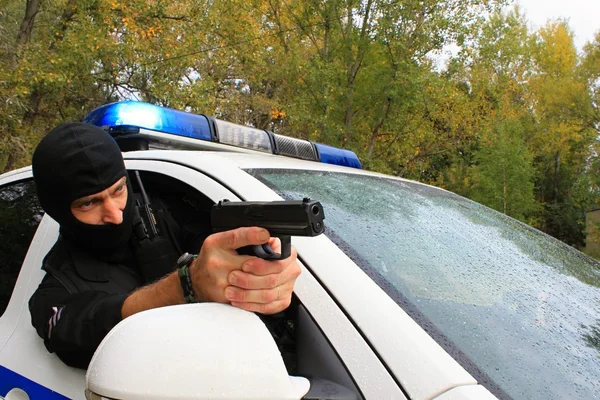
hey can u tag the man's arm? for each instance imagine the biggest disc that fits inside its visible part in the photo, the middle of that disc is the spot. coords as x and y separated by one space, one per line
165 292
221 275
73 325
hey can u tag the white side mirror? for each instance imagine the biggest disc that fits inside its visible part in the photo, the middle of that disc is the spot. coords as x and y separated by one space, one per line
194 351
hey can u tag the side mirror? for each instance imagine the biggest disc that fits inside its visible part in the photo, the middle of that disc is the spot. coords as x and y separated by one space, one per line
193 351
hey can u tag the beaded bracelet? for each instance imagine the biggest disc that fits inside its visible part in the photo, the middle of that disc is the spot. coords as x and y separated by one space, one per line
185 278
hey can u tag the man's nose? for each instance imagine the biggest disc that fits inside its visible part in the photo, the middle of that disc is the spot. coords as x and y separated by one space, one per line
112 213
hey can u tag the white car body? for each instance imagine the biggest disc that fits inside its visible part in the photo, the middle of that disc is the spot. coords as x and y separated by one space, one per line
385 353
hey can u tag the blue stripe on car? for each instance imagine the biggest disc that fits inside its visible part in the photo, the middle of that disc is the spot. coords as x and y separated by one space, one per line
10 380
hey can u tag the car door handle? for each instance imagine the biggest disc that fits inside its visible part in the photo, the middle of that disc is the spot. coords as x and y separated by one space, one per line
15 394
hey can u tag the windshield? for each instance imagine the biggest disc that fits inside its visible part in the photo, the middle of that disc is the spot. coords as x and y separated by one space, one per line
518 309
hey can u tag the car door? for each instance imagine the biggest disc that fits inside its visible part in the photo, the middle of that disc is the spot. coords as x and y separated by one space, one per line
25 238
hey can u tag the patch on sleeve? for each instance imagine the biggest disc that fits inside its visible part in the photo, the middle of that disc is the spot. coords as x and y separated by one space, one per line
56 314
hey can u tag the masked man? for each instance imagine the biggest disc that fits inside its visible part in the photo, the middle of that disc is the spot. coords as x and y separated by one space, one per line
94 278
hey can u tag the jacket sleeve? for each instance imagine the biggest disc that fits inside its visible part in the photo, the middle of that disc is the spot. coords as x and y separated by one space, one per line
73 325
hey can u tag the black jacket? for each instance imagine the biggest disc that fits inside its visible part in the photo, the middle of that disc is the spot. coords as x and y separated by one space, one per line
80 299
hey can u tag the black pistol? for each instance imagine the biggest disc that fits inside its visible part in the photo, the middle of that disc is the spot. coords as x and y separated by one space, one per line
281 218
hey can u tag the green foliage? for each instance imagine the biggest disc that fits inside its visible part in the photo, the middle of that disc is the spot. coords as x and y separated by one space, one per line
504 174
563 140
589 71
512 120
535 125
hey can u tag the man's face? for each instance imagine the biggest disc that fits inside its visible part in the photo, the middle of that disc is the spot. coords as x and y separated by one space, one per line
105 207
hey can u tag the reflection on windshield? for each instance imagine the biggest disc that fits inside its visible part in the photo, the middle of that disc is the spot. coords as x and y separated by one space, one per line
593 336
519 309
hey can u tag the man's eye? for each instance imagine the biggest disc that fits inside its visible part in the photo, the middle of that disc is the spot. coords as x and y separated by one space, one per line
120 189
86 205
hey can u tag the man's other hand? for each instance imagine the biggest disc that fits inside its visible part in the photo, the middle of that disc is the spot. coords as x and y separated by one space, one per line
220 274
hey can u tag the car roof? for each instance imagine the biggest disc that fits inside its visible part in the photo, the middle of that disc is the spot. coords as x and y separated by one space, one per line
207 160
231 157
16 172
242 160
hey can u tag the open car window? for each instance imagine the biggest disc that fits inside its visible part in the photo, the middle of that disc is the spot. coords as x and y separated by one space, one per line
20 215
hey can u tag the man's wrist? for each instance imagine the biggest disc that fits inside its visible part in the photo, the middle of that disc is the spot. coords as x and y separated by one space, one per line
185 278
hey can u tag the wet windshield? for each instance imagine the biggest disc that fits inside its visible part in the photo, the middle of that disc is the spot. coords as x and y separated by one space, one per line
518 309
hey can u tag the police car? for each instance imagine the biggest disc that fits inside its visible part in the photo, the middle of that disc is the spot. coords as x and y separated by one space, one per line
412 292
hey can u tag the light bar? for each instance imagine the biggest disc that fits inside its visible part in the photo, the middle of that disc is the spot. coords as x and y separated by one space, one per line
243 136
129 116
333 155
129 119
298 148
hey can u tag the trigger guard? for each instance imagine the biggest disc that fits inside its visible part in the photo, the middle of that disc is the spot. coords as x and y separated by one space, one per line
265 252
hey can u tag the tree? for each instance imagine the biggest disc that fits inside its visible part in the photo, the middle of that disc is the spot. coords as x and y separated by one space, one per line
514 107
505 172
589 71
492 75
562 141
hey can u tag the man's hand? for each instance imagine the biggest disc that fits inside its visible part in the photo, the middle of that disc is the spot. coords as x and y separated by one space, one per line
219 274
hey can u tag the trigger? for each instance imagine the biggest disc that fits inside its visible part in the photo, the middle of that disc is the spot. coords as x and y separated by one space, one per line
265 252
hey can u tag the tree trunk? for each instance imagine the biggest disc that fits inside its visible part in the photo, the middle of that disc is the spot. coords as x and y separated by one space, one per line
33 6
10 162
353 68
505 190
31 10
379 124
274 5
326 98
556 171
35 100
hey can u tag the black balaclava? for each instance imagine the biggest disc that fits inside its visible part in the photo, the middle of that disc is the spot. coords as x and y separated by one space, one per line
76 160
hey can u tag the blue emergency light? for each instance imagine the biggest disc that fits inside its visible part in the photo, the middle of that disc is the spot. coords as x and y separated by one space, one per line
133 118
130 116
